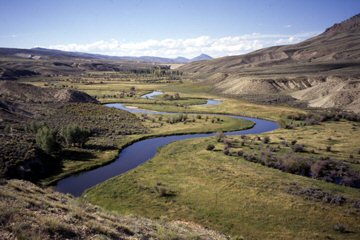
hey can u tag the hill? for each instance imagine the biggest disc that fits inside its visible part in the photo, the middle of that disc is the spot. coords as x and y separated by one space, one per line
29 212
25 108
321 71
21 92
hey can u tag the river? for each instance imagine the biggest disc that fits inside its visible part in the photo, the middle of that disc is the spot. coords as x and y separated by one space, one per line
142 151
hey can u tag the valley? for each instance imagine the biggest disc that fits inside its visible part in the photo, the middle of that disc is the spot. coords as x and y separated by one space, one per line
263 145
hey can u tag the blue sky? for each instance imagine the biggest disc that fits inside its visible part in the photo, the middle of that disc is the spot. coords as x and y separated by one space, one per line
166 28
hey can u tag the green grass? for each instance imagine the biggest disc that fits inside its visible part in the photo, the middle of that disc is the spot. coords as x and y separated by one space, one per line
227 194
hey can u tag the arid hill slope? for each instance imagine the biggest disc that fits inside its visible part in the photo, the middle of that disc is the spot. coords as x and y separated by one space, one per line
325 69
29 212
25 92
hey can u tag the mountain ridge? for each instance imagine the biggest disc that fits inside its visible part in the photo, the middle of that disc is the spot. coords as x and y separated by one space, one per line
38 52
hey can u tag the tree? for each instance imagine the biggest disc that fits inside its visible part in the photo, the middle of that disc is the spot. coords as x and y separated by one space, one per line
46 140
74 135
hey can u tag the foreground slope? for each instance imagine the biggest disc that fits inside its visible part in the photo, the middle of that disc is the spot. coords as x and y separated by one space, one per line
29 212
324 69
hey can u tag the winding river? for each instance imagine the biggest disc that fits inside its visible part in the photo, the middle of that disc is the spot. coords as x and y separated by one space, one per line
142 151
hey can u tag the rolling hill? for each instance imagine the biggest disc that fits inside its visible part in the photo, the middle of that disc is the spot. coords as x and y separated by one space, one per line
321 71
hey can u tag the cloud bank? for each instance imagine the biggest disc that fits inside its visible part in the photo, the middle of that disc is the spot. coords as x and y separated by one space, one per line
215 47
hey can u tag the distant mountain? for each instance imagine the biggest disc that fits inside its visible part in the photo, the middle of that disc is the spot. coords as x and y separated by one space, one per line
322 71
202 57
38 53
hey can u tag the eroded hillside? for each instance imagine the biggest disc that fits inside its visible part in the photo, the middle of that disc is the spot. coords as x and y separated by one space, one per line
321 71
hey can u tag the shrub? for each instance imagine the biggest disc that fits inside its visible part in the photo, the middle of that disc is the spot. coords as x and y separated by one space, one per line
328 148
240 153
35 126
220 136
266 140
294 165
163 191
46 140
226 150
298 148
210 147
340 228
228 142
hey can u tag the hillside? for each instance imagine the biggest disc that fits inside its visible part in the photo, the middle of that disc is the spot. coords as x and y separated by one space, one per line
321 71
29 212
20 92
24 107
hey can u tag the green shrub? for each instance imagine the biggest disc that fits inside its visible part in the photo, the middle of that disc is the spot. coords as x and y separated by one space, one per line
210 147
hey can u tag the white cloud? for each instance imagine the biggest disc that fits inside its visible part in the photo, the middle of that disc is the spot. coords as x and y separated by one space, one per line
216 47
288 26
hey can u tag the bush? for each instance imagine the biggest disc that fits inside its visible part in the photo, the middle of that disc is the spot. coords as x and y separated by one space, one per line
220 136
210 147
298 148
294 165
266 140
163 191
46 140
226 150
328 148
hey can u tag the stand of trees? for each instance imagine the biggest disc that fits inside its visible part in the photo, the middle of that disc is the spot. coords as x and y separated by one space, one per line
51 141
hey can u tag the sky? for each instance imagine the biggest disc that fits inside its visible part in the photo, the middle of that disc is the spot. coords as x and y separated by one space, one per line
166 28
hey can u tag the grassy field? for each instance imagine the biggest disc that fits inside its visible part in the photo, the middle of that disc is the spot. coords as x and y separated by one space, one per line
227 193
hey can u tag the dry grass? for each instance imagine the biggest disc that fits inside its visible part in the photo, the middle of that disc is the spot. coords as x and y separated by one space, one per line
29 212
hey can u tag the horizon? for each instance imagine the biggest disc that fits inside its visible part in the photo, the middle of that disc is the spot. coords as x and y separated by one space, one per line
162 29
